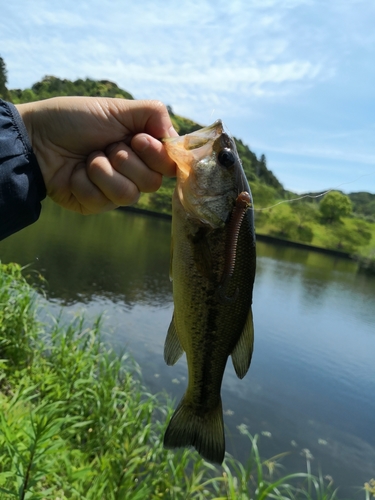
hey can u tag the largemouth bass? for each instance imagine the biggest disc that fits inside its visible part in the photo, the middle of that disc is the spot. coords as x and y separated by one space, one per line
213 271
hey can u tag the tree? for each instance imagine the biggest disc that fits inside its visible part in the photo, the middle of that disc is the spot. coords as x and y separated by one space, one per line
306 212
285 223
4 93
349 238
335 205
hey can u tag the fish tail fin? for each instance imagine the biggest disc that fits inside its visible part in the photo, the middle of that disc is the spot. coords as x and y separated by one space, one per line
204 432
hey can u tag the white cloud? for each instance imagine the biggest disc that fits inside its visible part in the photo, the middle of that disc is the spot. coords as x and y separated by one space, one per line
57 18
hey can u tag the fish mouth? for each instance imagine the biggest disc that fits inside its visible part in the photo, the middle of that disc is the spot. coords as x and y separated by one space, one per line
187 149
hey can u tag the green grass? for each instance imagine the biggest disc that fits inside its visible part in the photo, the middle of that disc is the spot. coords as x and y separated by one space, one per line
76 422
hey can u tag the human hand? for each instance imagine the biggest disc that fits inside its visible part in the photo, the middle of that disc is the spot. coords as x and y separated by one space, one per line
96 154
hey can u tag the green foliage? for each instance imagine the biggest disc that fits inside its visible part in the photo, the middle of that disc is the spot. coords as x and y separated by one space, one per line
348 237
305 233
290 225
50 86
306 212
261 218
284 222
263 195
366 263
265 175
335 205
18 322
249 160
363 204
363 231
342 238
4 92
75 423
267 481
161 201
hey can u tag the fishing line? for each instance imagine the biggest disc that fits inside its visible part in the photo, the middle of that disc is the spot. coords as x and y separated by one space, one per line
311 195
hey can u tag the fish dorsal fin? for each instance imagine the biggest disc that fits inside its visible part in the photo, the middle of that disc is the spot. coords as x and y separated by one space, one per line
241 354
172 347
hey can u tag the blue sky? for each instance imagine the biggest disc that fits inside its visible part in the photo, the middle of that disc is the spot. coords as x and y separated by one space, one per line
294 79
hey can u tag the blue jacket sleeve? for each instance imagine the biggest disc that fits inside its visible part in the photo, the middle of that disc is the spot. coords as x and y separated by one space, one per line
21 183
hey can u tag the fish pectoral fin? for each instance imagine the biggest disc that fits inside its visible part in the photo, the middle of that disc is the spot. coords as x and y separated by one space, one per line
172 347
241 354
204 432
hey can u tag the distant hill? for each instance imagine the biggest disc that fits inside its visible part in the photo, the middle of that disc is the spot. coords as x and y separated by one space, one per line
50 86
363 204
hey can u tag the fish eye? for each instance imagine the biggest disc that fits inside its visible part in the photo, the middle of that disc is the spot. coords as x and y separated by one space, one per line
226 157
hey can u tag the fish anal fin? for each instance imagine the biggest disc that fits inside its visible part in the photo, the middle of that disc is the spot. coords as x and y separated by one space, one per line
172 347
241 354
204 432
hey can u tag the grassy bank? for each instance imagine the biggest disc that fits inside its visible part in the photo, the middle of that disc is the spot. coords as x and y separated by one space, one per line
76 422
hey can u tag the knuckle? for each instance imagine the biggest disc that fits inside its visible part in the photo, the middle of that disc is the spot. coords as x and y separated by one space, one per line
158 106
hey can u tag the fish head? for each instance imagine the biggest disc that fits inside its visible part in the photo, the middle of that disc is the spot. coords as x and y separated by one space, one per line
209 173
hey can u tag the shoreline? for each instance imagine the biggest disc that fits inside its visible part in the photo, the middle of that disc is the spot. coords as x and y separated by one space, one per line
260 237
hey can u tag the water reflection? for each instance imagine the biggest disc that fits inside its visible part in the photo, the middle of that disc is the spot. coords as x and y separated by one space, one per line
111 255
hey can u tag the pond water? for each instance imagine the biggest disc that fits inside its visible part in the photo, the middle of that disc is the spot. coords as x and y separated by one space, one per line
311 384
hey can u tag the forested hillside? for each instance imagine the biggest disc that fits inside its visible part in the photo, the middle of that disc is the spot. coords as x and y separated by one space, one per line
50 86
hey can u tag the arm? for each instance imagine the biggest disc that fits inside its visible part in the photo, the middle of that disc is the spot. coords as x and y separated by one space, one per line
21 183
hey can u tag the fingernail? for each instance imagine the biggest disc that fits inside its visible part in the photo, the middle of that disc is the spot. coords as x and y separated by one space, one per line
172 132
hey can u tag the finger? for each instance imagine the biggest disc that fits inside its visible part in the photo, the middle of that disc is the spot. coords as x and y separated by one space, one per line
127 163
119 189
90 198
153 154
